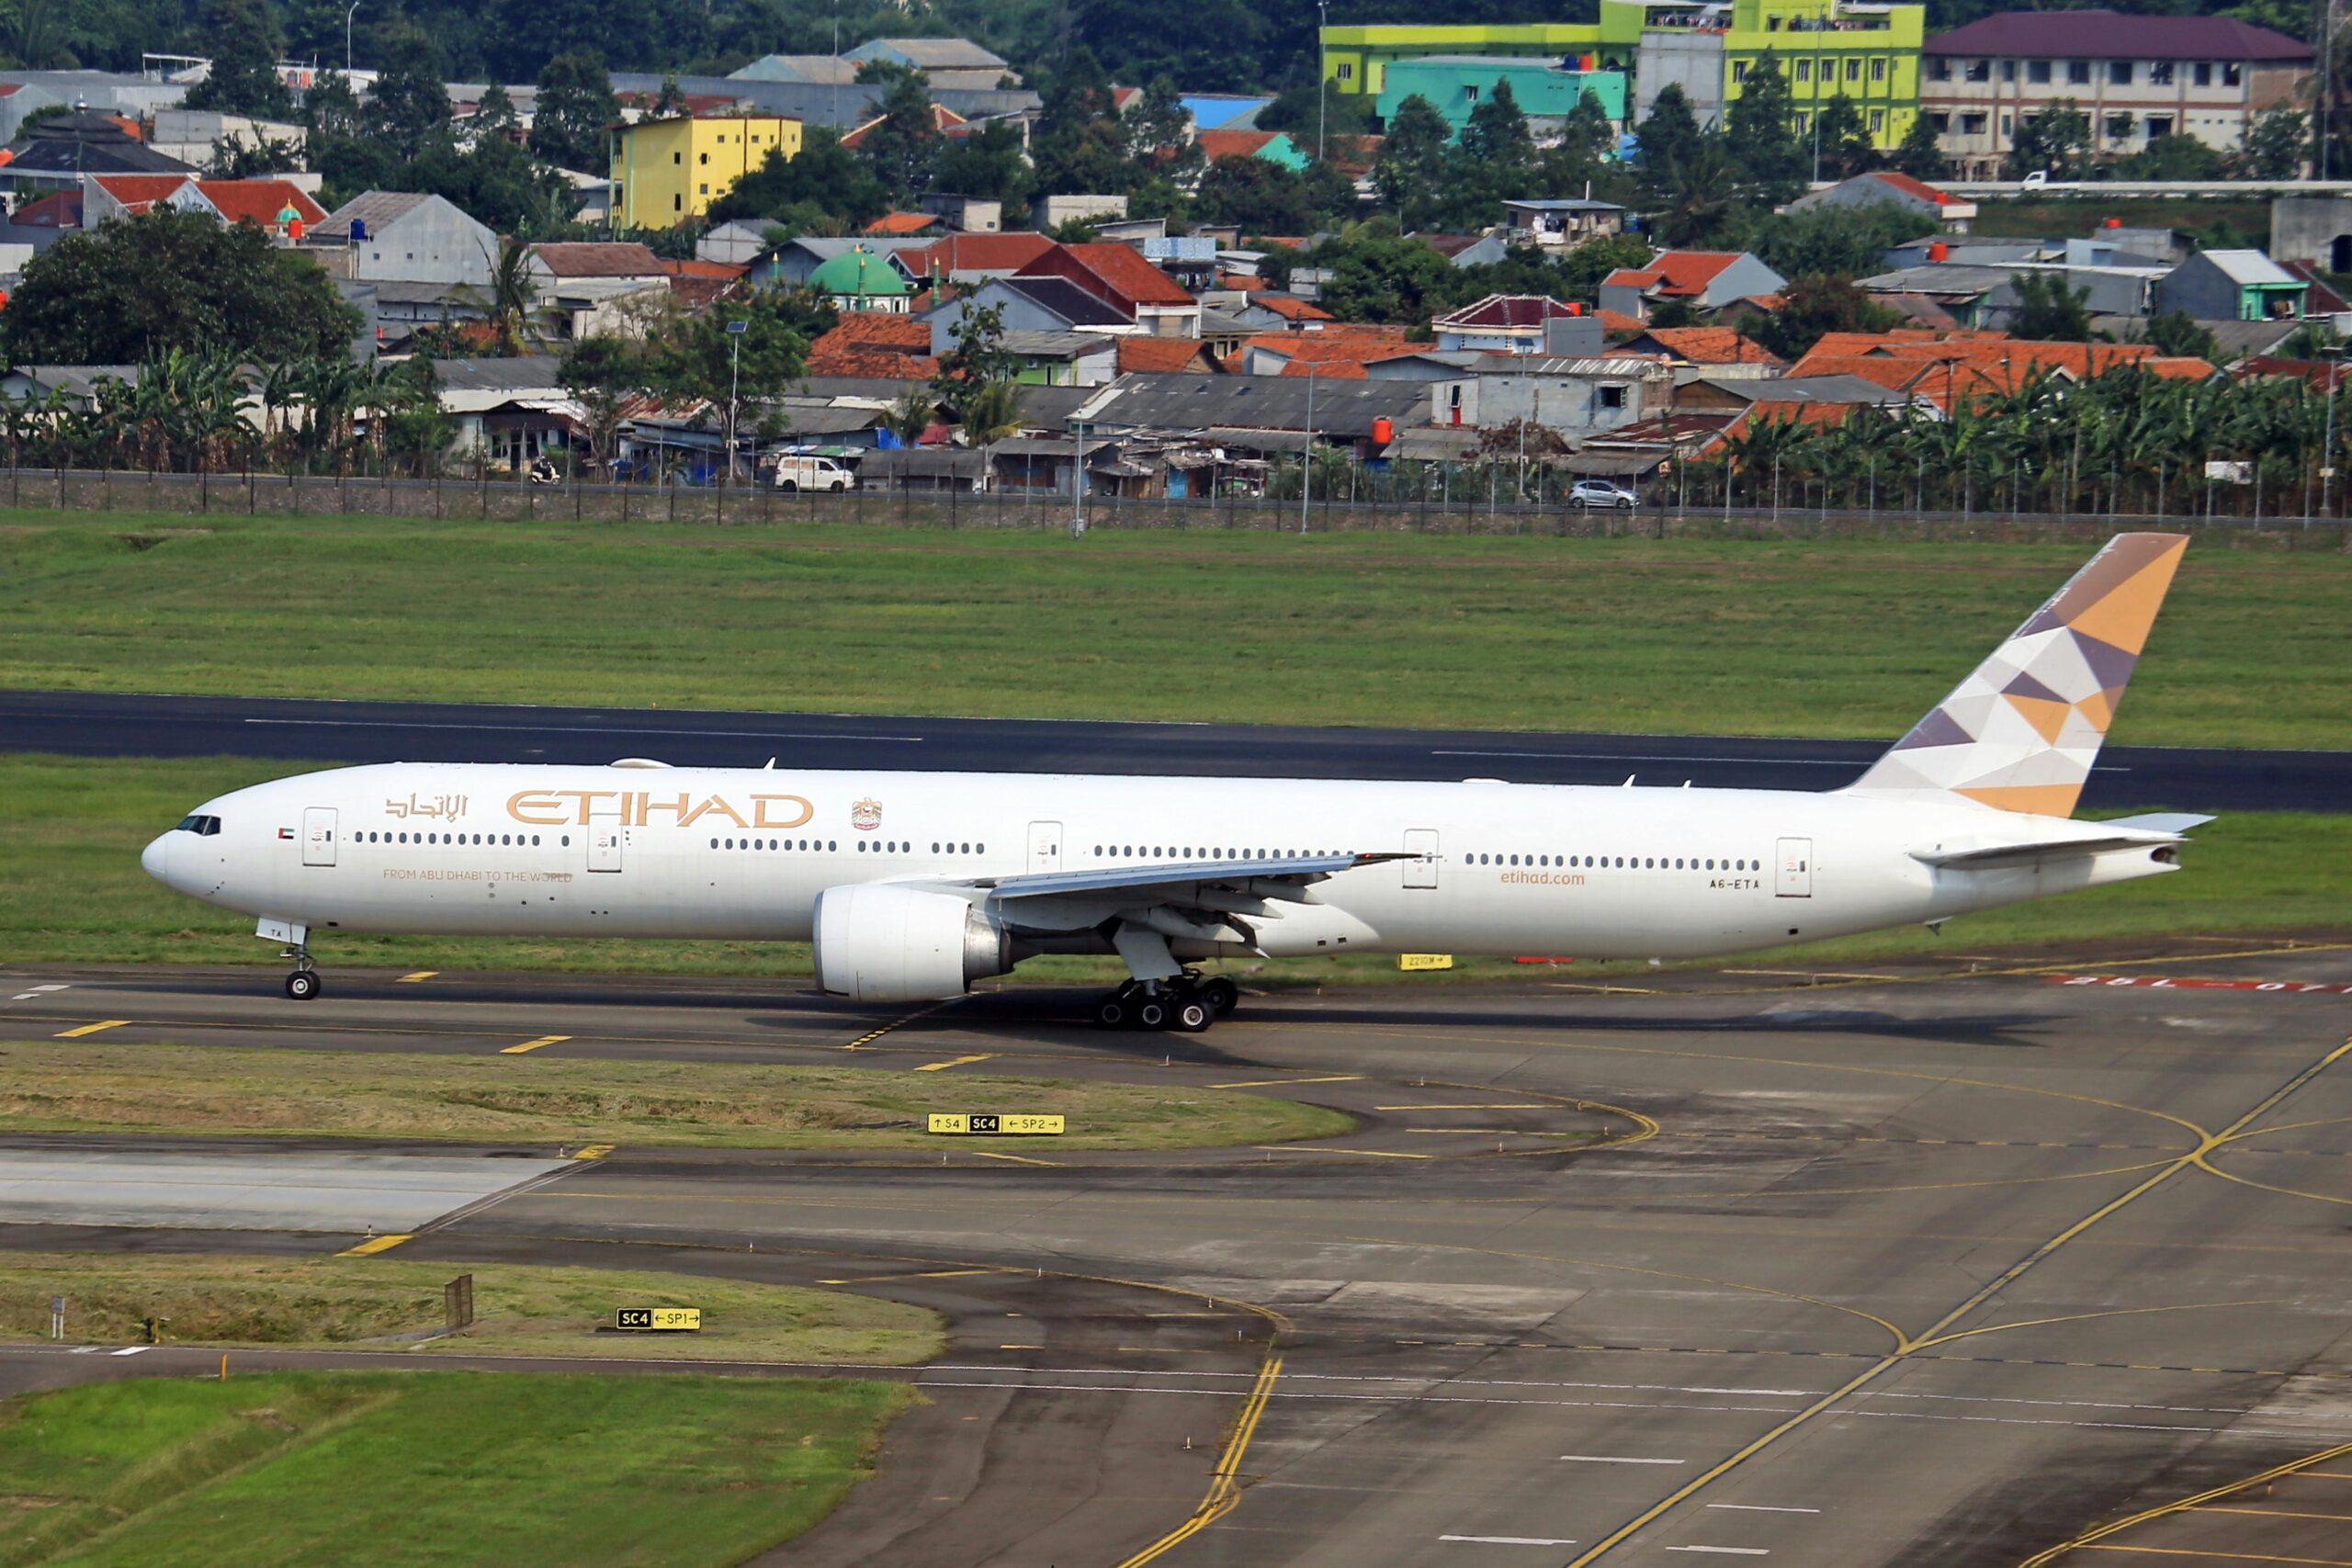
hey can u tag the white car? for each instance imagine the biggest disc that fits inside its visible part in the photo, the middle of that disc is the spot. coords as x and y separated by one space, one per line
795 472
1600 492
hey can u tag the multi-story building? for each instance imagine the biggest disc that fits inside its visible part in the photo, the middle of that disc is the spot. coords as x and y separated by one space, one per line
666 171
2136 77
1545 91
1824 49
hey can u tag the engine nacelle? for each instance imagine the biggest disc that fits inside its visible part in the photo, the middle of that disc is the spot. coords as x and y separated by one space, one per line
900 944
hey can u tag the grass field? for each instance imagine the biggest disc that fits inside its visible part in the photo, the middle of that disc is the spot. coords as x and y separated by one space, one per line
2059 216
388 1303
67 1086
454 1470
71 890
1852 637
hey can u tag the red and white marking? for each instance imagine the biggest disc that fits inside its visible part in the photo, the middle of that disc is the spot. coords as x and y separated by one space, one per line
2175 983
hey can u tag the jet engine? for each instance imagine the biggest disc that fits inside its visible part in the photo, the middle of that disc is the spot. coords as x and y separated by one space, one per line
900 944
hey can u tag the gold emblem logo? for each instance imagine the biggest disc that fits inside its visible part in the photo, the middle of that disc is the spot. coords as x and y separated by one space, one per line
866 815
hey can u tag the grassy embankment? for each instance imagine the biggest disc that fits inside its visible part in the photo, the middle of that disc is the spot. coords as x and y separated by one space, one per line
88 1086
391 1304
1818 638
71 890
448 1468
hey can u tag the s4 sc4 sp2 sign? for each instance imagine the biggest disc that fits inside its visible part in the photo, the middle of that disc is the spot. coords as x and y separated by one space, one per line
993 1123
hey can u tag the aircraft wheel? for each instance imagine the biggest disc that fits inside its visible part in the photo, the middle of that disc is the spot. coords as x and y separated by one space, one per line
1114 1012
302 985
1193 1015
1153 1012
1221 994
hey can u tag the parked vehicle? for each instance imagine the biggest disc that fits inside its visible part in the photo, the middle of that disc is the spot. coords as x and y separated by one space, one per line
1600 492
794 472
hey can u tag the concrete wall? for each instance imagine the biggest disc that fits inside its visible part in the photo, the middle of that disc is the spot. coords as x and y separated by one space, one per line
432 243
1694 60
2313 228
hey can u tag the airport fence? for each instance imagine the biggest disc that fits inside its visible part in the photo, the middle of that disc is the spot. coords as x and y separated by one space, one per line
1663 516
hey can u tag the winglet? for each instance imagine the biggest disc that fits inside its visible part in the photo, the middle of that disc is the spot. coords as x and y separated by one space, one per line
2021 732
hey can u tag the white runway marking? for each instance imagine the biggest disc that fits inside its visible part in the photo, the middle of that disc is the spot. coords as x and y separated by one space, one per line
1617 1458
1761 1508
581 729
1727 1550
1509 1540
132 1350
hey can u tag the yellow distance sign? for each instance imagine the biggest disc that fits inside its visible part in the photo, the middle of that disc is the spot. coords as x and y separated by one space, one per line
1412 961
658 1320
989 1123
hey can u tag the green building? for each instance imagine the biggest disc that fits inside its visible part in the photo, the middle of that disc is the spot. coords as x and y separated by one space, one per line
1457 84
1869 53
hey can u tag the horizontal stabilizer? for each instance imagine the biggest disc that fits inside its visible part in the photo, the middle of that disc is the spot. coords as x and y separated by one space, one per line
2159 822
1996 857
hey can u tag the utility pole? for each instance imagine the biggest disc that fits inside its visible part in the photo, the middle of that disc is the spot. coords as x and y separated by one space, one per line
1322 72
347 41
2327 446
2326 78
1307 453
735 331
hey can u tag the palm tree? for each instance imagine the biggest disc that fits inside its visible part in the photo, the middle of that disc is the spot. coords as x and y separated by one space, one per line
911 415
511 305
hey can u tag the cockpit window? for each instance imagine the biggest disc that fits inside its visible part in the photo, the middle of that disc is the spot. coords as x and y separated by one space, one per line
203 827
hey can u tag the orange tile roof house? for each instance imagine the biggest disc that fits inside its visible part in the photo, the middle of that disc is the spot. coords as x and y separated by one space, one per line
1705 351
1120 277
875 343
1340 353
1707 280
274 206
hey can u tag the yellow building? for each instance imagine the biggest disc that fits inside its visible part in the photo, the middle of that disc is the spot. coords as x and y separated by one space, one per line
666 171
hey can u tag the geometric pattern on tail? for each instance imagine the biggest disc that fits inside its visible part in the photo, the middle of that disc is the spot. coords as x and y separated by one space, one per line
2021 732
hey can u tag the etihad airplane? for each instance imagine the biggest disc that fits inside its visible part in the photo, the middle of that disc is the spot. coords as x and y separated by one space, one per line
914 885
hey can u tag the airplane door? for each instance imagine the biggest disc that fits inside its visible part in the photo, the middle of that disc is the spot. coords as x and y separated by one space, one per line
1421 870
604 837
1045 846
317 835
1796 869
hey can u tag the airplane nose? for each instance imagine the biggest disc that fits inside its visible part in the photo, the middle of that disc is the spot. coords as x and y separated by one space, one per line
155 860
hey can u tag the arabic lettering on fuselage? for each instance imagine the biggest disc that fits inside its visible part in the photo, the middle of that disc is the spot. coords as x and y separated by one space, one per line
448 807
637 808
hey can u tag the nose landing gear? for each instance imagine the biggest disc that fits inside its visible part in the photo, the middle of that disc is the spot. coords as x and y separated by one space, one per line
304 983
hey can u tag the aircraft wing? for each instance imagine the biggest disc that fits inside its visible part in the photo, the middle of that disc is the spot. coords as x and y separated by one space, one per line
1282 878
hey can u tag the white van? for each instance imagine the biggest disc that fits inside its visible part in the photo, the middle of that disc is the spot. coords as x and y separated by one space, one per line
794 472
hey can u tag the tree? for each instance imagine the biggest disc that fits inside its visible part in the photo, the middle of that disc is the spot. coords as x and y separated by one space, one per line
408 103
2178 334
670 101
1384 279
510 305
1256 196
1587 136
1919 154
2049 311
904 147
977 361
1160 130
167 278
1669 137
1760 130
2173 157
575 104
494 111
1838 242
1843 140
1496 140
1812 307
2057 141
694 358
1412 162
1702 205
2277 140
245 47
989 163
603 372
1079 145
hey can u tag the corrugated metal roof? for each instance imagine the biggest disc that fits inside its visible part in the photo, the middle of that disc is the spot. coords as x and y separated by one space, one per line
2112 35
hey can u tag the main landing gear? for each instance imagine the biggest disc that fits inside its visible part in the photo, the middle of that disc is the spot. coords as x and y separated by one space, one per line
1187 1003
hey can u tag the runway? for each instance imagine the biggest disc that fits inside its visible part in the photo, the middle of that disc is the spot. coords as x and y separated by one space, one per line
103 725
1909 1267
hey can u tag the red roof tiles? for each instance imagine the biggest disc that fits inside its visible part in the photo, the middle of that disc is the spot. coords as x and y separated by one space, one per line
1215 144
259 202
978 253
1161 353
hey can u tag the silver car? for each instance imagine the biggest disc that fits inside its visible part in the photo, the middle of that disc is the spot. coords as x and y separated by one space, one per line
1600 492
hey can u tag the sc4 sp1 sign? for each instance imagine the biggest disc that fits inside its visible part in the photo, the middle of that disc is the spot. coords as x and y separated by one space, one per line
658 1320
990 1123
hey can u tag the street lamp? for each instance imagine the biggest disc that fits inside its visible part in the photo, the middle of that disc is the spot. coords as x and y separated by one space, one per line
346 38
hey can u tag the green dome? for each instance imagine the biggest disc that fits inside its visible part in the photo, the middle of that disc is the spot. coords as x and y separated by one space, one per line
858 272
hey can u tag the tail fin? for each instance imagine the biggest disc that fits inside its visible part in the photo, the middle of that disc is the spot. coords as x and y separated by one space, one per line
2020 733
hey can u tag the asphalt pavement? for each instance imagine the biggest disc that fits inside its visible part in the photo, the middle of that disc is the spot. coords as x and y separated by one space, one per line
1902 1266
109 724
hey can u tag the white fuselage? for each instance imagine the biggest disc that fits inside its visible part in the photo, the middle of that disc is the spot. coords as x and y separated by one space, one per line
743 854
